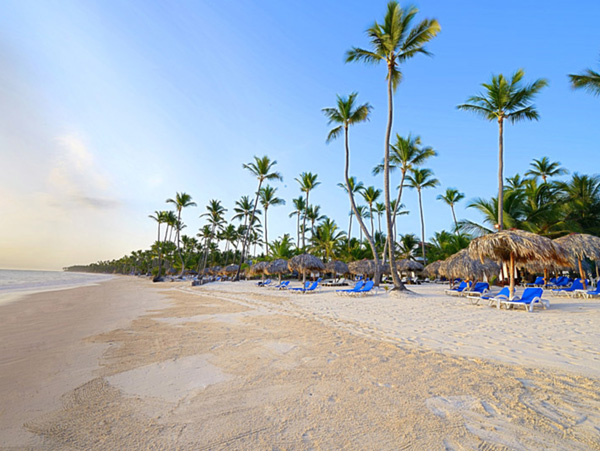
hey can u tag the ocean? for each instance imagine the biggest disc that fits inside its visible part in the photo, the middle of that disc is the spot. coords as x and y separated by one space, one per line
13 281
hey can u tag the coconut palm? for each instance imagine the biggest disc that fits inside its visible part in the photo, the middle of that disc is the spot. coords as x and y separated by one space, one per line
362 212
160 217
243 210
421 179
230 236
352 187
581 200
394 42
268 198
505 99
282 248
262 169
589 80
343 115
326 239
545 168
379 209
181 201
215 213
370 195
313 214
308 182
451 197
407 245
299 210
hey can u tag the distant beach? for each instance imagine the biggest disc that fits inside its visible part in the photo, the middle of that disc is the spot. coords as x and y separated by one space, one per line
127 364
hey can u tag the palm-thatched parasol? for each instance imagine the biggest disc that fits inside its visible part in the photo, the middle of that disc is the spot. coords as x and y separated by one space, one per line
432 269
214 270
517 246
367 267
337 267
580 246
304 263
409 265
231 269
279 266
258 268
463 266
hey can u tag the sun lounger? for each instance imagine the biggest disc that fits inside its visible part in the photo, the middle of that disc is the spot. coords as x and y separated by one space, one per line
591 293
367 288
492 298
479 289
307 288
280 286
356 287
539 282
264 283
531 297
455 291
576 285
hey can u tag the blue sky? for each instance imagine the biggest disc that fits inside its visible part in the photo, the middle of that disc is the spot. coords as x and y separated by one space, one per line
109 108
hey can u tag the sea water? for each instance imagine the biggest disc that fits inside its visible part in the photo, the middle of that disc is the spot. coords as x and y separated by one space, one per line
14 283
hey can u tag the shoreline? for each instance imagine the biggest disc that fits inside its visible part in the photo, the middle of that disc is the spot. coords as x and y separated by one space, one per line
130 364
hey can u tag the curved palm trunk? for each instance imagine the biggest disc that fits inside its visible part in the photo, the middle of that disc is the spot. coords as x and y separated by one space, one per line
422 228
159 274
208 241
395 214
266 236
372 226
350 227
179 242
361 223
237 274
298 230
304 223
398 285
454 216
500 176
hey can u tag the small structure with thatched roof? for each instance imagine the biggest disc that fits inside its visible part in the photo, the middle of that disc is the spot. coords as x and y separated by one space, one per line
432 269
257 268
279 267
409 265
462 265
580 246
517 246
304 263
337 267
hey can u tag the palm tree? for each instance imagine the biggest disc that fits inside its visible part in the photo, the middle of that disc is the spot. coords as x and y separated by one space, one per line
181 201
370 195
394 42
262 169
362 212
300 209
268 198
589 80
451 197
326 239
544 168
214 212
230 236
505 99
282 248
160 217
352 187
407 153
408 244
380 210
313 214
308 182
421 179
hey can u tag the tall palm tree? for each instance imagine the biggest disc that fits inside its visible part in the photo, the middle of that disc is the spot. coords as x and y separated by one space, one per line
451 197
421 179
352 187
406 154
545 168
505 99
313 214
589 80
327 239
215 213
282 248
343 115
262 169
379 210
160 217
300 209
181 201
394 42
370 195
308 182
362 212
268 198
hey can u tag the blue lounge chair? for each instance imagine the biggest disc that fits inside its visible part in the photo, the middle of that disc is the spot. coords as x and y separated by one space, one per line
367 288
576 285
261 283
592 293
492 299
479 289
307 288
530 298
463 286
280 286
539 282
354 289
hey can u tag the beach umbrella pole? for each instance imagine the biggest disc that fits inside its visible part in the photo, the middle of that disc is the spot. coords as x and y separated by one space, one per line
581 273
512 275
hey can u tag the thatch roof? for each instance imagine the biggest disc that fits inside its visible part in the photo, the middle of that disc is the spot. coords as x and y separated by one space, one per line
279 266
524 246
580 246
367 267
431 270
304 263
338 267
463 266
257 268
230 269
214 270
408 265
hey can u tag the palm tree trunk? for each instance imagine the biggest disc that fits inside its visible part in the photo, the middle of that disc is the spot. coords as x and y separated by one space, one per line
398 285
266 236
372 226
454 216
159 274
304 223
512 275
422 229
500 174
582 274
350 228
298 230
395 215
237 274
379 221
361 223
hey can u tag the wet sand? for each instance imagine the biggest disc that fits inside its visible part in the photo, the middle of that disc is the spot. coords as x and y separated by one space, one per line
132 365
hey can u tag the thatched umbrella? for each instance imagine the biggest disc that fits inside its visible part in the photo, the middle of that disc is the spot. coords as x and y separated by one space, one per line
367 267
304 263
214 270
258 268
409 265
517 246
579 246
432 269
230 269
279 266
463 266
337 267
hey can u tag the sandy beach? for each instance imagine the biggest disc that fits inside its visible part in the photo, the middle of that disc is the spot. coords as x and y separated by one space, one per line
127 364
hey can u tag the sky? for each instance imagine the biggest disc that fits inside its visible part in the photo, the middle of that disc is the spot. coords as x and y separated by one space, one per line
109 108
